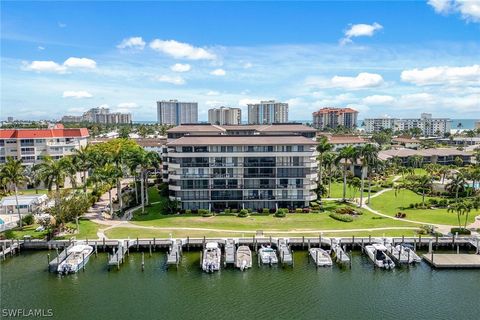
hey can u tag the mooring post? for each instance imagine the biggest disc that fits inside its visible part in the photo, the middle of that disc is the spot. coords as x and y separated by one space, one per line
270 240
18 244
353 242
150 247
408 258
453 241
303 242
154 244
83 262
143 261
188 243
369 239
103 240
458 248
293 260
137 244
350 259
403 239
419 240
48 261
415 244
320 241
362 244
308 244
96 249
316 258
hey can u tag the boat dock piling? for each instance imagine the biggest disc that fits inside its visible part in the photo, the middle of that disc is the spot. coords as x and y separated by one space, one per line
174 252
9 248
229 251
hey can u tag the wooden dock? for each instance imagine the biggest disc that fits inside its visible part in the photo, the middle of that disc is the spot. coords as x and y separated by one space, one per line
118 255
229 251
174 253
55 262
452 260
284 252
9 249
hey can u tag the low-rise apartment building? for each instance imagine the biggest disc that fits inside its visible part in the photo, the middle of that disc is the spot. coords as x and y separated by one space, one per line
32 145
242 167
428 125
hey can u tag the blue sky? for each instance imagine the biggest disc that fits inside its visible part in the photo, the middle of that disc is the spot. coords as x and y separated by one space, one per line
382 58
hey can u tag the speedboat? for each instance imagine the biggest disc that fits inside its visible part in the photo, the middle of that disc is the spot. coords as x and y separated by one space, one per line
77 258
212 255
243 259
267 255
378 254
320 257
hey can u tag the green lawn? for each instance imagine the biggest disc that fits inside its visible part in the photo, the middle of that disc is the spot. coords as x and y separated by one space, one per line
88 230
388 204
337 190
18 233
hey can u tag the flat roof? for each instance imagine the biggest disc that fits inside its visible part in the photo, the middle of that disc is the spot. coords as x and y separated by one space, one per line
241 140
196 128
276 127
23 200
386 154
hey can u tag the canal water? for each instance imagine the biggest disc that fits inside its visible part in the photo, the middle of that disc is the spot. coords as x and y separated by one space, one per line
301 292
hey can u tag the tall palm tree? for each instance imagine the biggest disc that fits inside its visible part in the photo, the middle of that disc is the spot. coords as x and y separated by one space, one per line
118 158
53 172
368 155
460 208
329 163
457 183
82 161
424 183
346 157
323 146
151 160
108 175
13 173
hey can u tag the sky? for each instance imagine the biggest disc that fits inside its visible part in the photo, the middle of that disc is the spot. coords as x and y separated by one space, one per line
383 58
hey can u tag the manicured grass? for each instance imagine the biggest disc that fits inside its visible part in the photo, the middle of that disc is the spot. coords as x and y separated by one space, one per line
18 233
88 230
293 221
337 190
388 204
154 195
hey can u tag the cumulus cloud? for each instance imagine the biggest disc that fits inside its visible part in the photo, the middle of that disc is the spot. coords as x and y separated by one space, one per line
177 80
133 43
247 101
54 67
212 93
77 94
41 48
376 100
468 9
180 50
179 67
443 75
218 72
360 30
126 107
363 80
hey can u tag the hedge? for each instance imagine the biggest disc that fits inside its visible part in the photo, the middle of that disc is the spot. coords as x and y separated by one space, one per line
341 217
462 231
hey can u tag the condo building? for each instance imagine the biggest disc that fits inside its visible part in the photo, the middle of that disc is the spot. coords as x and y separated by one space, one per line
330 118
428 125
253 166
225 116
173 112
267 112
32 145
100 115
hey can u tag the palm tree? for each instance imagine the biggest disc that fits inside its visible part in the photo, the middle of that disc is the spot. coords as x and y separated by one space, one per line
460 208
368 155
424 183
329 162
457 183
107 174
346 157
150 160
53 172
13 173
118 158
323 147
82 161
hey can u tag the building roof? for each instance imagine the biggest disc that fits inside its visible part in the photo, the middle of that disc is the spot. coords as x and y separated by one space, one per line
335 110
283 127
43 133
405 140
23 200
196 128
151 142
441 152
276 127
241 140
346 139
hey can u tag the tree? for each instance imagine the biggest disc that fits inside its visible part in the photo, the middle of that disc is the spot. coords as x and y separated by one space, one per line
368 155
82 161
329 163
53 172
416 161
106 175
460 208
346 157
323 146
13 172
456 185
424 184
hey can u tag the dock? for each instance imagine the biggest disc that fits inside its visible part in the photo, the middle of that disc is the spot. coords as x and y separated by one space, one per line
55 262
452 260
284 252
174 253
118 256
229 251
9 249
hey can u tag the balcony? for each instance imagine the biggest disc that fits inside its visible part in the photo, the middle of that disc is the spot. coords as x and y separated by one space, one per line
259 164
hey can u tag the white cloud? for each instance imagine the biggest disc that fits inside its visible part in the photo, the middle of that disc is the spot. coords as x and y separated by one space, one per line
360 30
86 63
132 42
376 100
40 48
212 93
214 103
61 25
77 94
44 66
126 107
218 72
443 75
180 67
469 9
177 80
247 101
362 80
247 65
180 50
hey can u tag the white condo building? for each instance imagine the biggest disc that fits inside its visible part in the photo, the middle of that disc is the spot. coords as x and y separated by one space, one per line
173 112
225 116
428 125
267 112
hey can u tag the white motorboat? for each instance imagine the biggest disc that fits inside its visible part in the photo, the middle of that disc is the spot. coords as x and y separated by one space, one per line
378 254
320 257
267 255
402 253
212 255
243 259
77 258
338 253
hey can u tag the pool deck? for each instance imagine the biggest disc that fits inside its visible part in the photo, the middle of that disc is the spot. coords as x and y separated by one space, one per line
453 260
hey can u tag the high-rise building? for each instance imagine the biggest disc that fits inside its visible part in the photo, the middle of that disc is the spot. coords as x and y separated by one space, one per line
100 115
428 125
173 112
267 112
223 115
335 117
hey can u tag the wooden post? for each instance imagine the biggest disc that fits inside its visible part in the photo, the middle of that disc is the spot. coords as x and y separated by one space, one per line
18 243
419 240
154 244
96 249
320 241
137 244
403 239
458 249
308 244
48 261
415 244
293 260
350 259
103 244
353 242
408 257
303 242
270 241
369 239
150 247
83 261
362 245
188 243
143 261
316 258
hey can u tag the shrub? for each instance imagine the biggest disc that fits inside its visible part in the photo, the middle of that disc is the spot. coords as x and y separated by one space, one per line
298 210
266 211
28 220
243 213
306 210
234 210
341 217
460 231
188 211
227 211
281 213
432 202
401 215
205 213
443 203
272 210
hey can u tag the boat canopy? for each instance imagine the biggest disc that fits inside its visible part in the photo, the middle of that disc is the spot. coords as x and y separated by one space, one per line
211 245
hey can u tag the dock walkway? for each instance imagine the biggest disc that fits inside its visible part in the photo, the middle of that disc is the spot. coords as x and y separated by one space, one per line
452 260
230 251
9 248
174 252
118 255
284 252
55 262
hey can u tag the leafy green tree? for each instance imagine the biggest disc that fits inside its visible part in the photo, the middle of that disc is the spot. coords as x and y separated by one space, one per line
460 208
82 162
13 173
456 185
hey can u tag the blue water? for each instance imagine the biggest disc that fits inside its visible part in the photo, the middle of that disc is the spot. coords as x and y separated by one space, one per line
1 221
